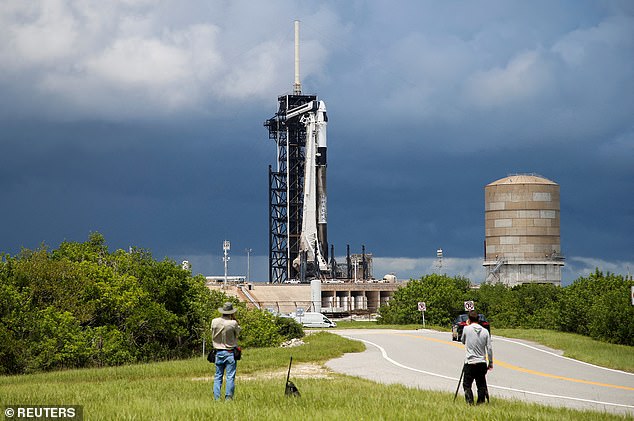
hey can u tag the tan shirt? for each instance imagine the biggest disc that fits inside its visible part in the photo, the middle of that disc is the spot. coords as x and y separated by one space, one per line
224 333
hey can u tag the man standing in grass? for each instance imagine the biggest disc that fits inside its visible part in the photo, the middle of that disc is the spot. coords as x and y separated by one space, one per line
478 347
224 333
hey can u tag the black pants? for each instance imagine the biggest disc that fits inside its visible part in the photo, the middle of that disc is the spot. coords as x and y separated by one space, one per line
478 373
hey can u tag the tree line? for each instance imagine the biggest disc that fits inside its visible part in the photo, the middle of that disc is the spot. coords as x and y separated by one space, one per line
598 306
81 305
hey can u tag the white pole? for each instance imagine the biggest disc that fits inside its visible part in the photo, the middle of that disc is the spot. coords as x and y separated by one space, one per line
297 86
226 246
249 264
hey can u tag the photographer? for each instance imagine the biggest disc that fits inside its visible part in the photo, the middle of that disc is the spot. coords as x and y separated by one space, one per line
224 331
478 348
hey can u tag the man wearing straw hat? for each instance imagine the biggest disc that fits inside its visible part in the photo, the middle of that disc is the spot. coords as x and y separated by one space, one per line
224 333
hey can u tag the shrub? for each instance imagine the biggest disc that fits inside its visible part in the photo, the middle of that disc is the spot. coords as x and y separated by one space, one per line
258 328
289 328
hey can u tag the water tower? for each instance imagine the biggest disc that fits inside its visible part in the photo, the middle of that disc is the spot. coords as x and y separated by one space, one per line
522 231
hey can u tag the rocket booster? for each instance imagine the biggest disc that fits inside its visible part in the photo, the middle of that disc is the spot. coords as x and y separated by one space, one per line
321 162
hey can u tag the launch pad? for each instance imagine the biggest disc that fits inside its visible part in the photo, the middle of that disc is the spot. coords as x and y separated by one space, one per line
337 300
298 227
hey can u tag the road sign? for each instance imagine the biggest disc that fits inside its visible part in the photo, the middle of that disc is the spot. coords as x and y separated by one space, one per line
469 305
422 306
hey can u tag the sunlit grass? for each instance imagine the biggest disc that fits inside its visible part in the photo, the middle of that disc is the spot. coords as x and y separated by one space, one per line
181 390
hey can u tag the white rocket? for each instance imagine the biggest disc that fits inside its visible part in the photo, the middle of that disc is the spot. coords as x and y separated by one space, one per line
315 214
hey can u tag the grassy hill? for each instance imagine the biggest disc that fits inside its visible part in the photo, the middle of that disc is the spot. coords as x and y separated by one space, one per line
181 390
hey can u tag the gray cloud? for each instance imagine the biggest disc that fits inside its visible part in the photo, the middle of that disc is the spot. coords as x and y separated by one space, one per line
143 119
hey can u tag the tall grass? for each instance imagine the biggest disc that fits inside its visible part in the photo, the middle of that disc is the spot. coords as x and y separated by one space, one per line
181 390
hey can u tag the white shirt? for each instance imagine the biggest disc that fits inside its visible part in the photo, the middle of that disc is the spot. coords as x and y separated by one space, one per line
477 343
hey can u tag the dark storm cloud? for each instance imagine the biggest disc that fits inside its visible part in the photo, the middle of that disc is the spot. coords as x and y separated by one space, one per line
143 120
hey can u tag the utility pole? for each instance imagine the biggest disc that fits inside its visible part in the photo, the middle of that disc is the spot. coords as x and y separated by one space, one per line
226 246
249 250
439 260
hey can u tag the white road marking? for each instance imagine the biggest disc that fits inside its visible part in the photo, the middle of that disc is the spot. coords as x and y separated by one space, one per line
396 363
499 338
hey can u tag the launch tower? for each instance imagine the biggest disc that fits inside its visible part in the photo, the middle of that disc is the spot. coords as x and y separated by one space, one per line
298 244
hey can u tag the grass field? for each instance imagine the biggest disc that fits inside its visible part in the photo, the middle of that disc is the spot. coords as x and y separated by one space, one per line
181 390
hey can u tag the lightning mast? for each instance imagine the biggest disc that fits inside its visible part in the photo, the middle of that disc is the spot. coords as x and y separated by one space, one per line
297 86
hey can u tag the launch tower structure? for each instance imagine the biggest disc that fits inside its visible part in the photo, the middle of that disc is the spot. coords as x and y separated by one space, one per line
298 245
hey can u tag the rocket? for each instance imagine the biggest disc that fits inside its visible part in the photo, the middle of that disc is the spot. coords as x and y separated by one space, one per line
321 163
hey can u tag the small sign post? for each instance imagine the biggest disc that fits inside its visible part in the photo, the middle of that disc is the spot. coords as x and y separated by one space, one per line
299 313
469 305
422 308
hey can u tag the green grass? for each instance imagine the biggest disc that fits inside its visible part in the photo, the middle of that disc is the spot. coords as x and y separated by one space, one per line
181 390
620 357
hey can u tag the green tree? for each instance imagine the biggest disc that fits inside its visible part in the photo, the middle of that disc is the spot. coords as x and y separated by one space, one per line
443 295
599 306
58 341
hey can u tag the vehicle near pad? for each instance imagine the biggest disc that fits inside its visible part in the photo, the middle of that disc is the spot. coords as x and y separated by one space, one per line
461 321
311 319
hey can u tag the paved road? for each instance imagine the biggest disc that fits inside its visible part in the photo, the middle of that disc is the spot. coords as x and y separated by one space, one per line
429 359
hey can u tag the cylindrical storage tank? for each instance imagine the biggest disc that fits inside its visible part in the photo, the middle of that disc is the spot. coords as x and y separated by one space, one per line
391 278
326 302
522 229
345 303
315 295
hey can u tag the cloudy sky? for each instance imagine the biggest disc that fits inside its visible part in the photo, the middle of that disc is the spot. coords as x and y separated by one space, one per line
143 120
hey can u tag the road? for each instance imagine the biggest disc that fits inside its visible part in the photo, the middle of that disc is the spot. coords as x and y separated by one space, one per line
428 359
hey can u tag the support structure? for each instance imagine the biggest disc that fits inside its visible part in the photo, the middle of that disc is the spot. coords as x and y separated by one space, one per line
286 188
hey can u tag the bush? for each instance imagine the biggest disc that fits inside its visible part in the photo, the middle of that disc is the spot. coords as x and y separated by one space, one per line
289 328
258 328
599 306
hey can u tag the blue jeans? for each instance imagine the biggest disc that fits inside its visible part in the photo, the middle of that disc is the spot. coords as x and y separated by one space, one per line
225 361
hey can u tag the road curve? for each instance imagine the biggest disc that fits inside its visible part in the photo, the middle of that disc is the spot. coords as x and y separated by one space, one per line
428 359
